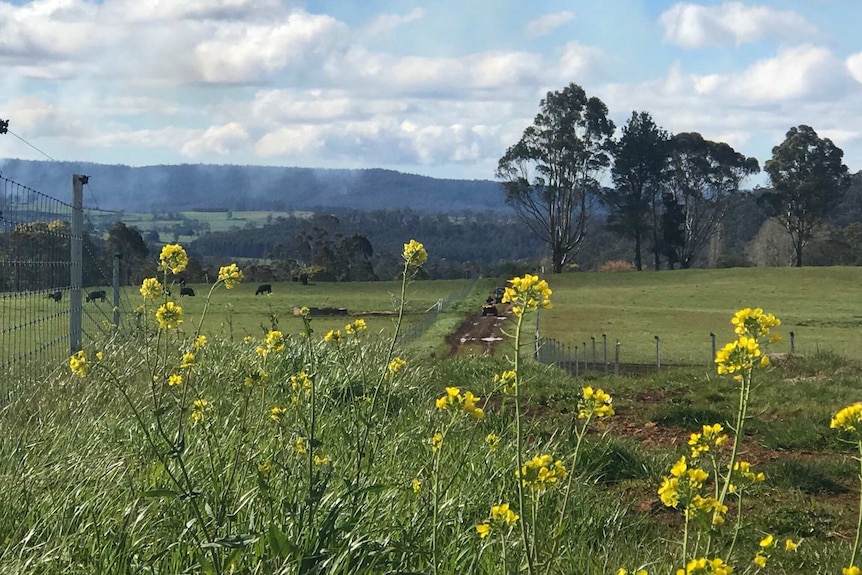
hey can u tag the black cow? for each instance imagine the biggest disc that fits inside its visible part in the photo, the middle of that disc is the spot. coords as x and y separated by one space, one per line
263 288
100 295
187 291
56 296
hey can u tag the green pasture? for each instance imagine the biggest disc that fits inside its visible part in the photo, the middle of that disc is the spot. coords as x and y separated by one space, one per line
239 312
821 305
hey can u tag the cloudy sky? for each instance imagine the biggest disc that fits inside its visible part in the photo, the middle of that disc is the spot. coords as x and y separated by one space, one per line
435 87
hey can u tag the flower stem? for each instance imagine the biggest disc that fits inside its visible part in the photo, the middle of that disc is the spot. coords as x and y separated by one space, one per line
859 521
520 443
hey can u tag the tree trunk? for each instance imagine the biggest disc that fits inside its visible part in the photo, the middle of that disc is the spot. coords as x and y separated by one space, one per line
798 249
638 260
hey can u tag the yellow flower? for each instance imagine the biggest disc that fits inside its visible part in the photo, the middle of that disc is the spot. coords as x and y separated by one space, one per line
414 253
78 364
265 468
789 545
301 382
169 315
299 445
276 413
333 336
175 379
541 472
508 381
173 258
753 322
767 542
355 327
100 356
416 485
484 529
527 293
594 403
274 341
304 311
188 360
848 419
396 365
711 436
503 515
321 461
200 342
436 442
760 560
152 289
492 440
199 408
852 570
230 275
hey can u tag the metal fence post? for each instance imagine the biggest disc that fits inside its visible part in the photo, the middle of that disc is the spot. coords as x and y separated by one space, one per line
77 257
605 348
116 285
657 352
712 337
617 359
594 351
792 342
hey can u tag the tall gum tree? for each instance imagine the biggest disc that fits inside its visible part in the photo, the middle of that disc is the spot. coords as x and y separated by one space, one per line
639 170
551 175
808 180
703 177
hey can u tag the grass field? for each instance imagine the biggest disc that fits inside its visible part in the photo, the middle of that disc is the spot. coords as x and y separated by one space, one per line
822 306
244 466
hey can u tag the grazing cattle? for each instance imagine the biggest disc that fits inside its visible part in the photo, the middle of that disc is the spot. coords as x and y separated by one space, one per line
56 296
263 288
94 295
187 291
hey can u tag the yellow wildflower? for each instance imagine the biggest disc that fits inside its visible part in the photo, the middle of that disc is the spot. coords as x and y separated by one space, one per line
416 485
333 336
200 342
848 419
503 515
852 570
483 529
276 413
760 560
231 275
199 408
355 327
299 445
169 315
151 288
265 468
175 379
274 341
396 365
436 441
188 360
78 364
414 253
527 293
508 381
541 472
789 545
492 440
753 322
767 542
594 403
321 461
173 258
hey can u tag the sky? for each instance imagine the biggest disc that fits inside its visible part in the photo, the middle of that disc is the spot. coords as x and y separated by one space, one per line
434 87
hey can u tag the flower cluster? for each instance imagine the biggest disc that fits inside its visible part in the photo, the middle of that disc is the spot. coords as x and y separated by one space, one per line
744 477
682 485
231 276
768 546
702 566
169 315
333 336
501 518
540 472
151 288
594 402
753 322
436 442
848 419
414 253
739 356
276 413
466 402
852 570
301 382
396 365
527 293
710 507
199 342
492 440
626 572
508 380
175 380
200 407
173 258
711 437
355 327
79 364
188 360
256 375
274 341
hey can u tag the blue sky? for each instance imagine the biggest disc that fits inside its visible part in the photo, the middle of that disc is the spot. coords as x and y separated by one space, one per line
437 87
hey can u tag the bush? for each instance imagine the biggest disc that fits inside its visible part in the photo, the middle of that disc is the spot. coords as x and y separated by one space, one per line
616 266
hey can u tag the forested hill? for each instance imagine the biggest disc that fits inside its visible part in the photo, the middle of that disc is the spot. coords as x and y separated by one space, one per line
224 187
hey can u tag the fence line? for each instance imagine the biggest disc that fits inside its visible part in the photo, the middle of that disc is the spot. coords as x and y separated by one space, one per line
416 329
42 278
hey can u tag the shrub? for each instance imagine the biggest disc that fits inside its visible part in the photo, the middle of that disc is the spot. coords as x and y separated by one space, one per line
616 266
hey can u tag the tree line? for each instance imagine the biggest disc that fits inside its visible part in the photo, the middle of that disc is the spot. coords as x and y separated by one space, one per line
671 192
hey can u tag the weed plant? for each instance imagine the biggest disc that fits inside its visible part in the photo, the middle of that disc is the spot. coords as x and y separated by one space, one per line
334 453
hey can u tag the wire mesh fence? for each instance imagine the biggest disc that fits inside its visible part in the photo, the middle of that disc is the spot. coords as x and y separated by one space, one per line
416 329
42 318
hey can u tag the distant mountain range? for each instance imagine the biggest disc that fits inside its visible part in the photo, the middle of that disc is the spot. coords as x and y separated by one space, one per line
188 187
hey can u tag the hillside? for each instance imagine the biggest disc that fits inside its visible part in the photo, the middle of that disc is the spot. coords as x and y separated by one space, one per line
225 187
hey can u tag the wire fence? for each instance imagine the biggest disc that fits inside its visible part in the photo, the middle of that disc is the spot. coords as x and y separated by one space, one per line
45 309
605 355
416 329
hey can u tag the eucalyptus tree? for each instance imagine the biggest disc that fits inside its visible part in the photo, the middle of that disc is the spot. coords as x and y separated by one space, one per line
703 177
639 171
551 175
808 180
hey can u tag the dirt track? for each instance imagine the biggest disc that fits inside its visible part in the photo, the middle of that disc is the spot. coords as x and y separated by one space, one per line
479 334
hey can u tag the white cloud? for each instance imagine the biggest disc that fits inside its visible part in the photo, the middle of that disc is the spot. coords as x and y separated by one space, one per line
219 140
544 25
388 22
854 66
695 26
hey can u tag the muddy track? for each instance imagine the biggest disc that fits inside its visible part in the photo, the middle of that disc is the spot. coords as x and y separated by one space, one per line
478 334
